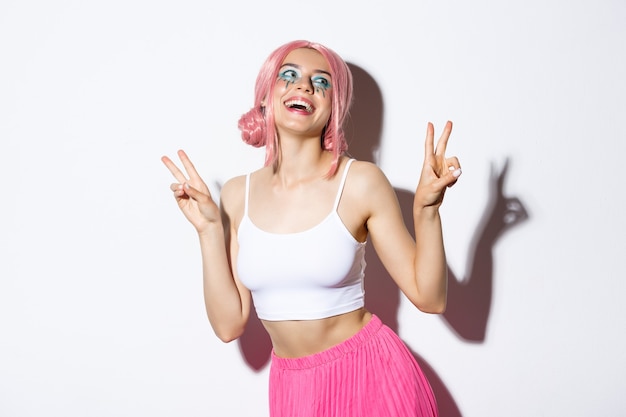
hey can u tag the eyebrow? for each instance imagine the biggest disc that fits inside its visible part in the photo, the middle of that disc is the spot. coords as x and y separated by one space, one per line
300 67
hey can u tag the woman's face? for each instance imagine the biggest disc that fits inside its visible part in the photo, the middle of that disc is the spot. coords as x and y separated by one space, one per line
302 94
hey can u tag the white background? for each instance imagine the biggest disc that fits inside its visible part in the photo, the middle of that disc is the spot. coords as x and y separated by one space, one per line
101 310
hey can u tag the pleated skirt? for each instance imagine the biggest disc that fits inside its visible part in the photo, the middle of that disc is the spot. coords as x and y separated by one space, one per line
372 374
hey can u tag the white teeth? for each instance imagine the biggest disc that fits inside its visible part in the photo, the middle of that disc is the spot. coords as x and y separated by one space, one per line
304 104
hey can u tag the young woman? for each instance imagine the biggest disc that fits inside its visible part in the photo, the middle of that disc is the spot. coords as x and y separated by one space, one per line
290 238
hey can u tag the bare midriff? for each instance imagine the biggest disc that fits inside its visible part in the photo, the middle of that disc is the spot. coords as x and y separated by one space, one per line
297 338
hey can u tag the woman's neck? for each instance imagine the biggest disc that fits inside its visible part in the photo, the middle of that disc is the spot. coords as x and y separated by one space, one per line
301 160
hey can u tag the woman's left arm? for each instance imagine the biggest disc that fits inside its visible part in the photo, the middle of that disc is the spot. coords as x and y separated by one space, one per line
418 266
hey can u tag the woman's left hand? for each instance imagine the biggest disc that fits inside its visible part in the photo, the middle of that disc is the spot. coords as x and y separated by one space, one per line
438 172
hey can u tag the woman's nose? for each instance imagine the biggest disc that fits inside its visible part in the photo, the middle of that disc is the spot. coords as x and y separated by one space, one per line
305 85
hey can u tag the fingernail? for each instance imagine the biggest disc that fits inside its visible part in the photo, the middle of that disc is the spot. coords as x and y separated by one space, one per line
457 173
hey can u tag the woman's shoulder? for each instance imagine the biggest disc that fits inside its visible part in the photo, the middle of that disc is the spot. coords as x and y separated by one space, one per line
366 174
366 191
233 191
232 196
364 166
238 183
233 186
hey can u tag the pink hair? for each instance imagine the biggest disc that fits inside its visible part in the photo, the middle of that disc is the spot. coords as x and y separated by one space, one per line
257 125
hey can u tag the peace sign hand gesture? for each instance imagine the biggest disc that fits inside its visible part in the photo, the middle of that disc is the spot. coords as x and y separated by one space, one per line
438 172
192 195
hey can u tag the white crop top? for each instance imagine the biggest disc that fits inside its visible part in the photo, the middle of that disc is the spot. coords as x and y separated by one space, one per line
307 275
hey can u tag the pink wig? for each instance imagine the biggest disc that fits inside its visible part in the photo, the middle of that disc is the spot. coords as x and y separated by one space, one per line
257 125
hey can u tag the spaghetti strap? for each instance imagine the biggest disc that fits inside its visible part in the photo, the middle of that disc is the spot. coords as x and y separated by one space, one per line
245 200
341 184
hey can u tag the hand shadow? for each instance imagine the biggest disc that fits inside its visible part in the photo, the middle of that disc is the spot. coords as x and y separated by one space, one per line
469 301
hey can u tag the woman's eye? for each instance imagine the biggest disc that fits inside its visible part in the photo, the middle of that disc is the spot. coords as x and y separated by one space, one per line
321 82
289 75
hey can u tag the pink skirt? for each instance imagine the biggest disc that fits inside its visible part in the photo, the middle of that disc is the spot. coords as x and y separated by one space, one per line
372 374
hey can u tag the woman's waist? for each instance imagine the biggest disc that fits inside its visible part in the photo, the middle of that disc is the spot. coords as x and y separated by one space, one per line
299 338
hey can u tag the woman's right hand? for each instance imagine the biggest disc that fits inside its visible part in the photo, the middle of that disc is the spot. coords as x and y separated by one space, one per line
192 194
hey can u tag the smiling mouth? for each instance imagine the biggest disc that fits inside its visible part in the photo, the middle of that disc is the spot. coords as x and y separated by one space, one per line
299 105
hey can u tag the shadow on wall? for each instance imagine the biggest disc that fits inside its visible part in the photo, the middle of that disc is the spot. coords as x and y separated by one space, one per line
469 300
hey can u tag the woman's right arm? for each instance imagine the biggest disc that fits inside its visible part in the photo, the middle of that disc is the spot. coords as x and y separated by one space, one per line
227 301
